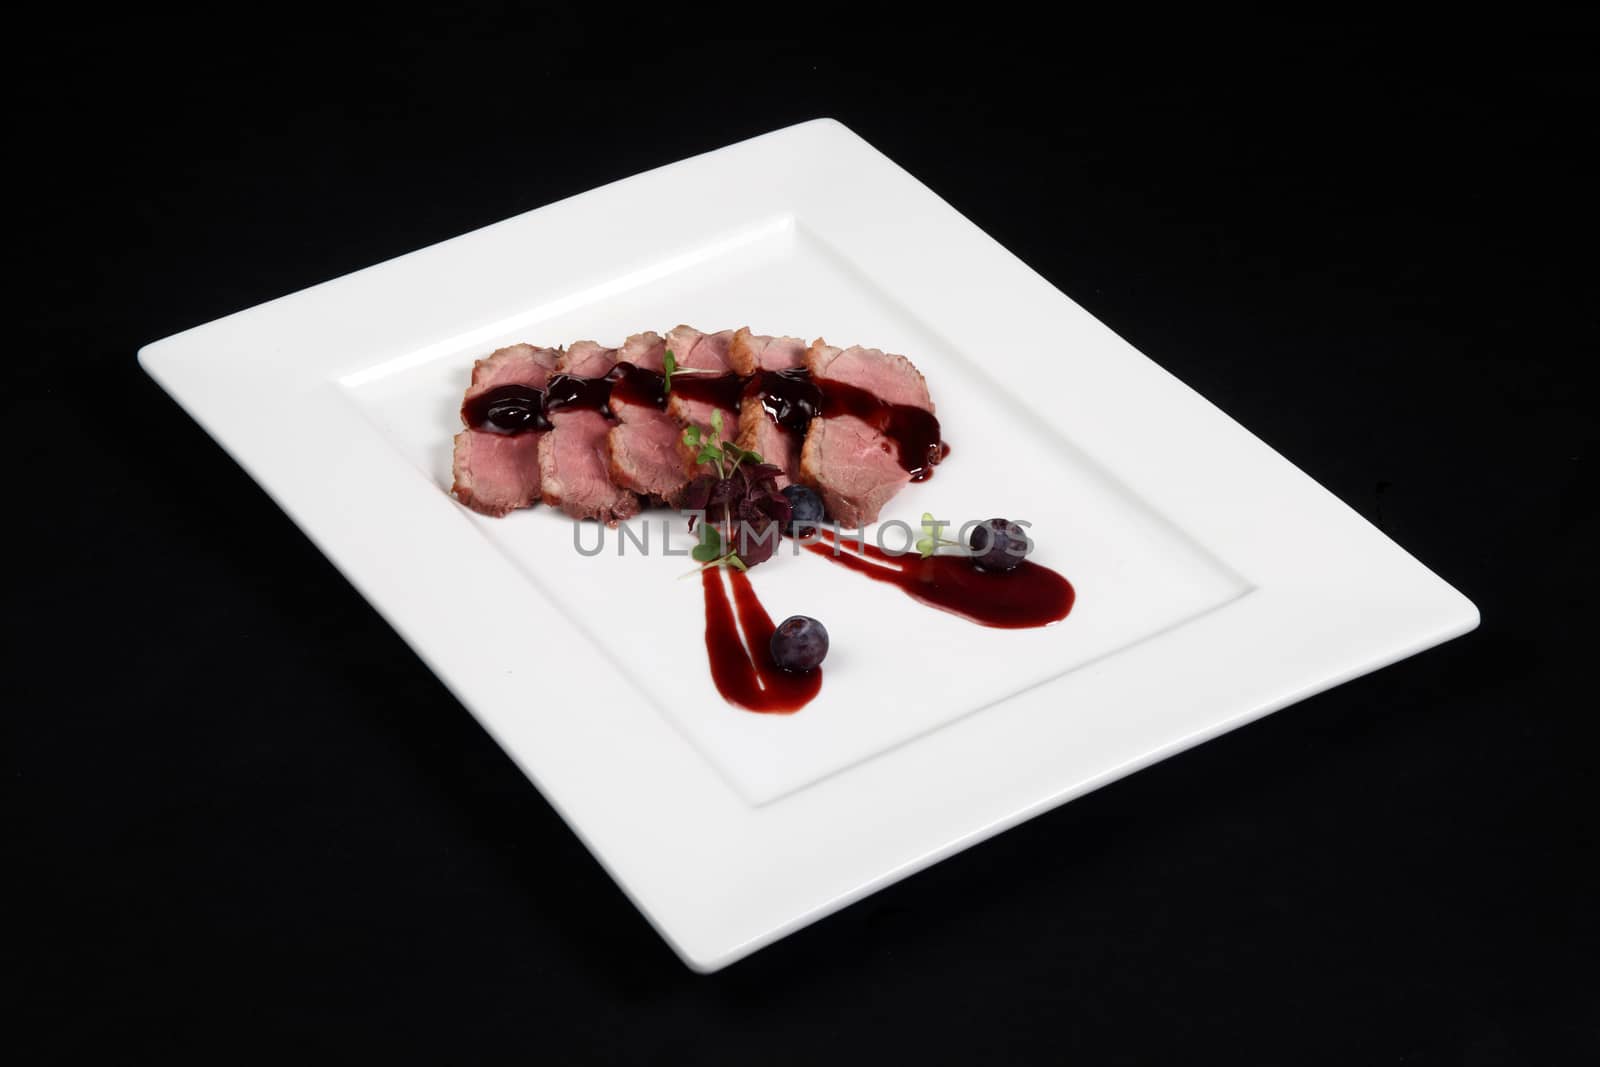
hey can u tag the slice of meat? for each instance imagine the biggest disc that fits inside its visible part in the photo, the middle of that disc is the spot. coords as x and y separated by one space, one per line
701 413
749 353
644 350
574 470
496 474
759 433
892 379
699 351
588 359
780 384
645 451
687 412
492 473
855 468
694 350
513 365
645 448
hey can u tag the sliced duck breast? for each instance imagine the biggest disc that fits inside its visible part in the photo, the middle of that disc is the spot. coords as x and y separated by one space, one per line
574 459
588 359
693 350
513 365
690 411
495 473
701 413
574 468
778 446
695 398
749 353
646 351
892 379
779 386
644 447
855 468
848 457
644 453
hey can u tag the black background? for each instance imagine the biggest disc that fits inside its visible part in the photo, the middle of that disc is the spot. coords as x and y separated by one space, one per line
252 823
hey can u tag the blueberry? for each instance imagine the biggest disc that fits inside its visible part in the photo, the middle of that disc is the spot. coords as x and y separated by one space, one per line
807 512
998 545
799 643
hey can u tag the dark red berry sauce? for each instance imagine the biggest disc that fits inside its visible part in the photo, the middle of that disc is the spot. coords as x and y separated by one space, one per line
1025 597
744 676
510 409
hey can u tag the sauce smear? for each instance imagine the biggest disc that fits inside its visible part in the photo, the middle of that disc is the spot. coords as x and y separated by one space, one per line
750 678
1021 599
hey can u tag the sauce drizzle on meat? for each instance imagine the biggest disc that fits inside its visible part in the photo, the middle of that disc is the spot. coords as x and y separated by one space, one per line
509 409
792 399
789 397
723 390
513 409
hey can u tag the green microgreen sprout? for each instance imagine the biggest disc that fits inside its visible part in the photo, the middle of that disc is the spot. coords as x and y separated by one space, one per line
709 552
726 457
709 447
931 541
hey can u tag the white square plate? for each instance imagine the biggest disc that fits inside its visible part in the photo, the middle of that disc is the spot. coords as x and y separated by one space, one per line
1215 581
